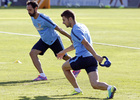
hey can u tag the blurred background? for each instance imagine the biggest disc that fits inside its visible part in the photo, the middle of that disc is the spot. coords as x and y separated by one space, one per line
77 3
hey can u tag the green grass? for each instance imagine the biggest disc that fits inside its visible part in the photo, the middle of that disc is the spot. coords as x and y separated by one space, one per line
110 26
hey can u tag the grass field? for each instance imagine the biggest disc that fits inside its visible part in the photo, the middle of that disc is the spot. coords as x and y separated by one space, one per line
118 29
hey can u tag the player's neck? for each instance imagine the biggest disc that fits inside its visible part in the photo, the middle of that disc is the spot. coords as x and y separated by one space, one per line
73 23
36 15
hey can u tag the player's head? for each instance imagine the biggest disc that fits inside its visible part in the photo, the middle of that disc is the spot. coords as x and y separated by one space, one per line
68 17
32 7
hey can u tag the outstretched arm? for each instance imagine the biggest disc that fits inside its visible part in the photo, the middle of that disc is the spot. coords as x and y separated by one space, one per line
63 52
63 32
91 50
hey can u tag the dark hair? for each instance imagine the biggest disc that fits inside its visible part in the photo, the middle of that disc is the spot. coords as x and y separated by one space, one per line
68 14
32 3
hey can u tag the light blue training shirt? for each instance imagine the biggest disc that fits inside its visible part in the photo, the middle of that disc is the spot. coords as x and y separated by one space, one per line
78 33
45 26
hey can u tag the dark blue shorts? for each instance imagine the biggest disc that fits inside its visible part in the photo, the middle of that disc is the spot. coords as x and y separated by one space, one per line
88 63
56 47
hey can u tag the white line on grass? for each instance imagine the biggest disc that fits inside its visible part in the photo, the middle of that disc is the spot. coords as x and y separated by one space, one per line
5 62
93 42
13 18
19 34
116 45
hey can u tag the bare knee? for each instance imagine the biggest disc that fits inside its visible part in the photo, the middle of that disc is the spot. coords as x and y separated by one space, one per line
31 53
63 67
66 66
34 53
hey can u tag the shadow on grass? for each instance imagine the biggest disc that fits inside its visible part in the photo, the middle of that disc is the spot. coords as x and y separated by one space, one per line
26 82
58 97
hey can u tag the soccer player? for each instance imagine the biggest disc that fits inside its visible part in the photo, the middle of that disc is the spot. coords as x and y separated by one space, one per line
49 38
86 57
7 3
109 6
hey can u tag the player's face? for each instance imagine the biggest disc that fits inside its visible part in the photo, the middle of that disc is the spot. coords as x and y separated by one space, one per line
31 11
66 21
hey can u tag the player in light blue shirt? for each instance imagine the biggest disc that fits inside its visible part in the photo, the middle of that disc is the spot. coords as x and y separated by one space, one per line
45 26
77 38
86 57
49 38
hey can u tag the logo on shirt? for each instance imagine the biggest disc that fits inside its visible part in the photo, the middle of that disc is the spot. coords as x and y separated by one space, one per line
39 27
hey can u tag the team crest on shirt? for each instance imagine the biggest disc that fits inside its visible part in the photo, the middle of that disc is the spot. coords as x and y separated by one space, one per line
39 27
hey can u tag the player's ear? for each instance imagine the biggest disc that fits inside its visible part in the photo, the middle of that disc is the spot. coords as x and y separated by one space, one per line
70 19
36 9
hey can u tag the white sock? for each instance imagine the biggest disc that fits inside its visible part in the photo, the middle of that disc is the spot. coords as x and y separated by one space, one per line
109 87
42 74
77 89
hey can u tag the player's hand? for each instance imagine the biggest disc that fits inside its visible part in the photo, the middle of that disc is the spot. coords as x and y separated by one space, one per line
99 59
60 55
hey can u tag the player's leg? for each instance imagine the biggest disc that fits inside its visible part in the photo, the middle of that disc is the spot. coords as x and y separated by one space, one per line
121 2
111 2
92 71
67 71
75 72
122 6
34 56
66 67
94 80
38 49
93 77
56 47
109 6
5 3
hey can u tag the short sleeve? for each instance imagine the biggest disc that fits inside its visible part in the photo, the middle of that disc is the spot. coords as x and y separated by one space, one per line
77 35
48 22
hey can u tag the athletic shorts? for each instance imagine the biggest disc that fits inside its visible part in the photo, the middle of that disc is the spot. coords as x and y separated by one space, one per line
56 47
88 63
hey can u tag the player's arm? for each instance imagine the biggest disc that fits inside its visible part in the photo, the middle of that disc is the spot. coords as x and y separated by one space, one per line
91 50
63 52
63 32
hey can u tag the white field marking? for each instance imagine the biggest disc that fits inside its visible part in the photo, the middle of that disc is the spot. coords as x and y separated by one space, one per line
13 18
116 45
11 62
79 18
93 42
5 62
19 34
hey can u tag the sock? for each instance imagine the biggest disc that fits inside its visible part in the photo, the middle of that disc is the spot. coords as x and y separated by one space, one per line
77 89
109 87
42 74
